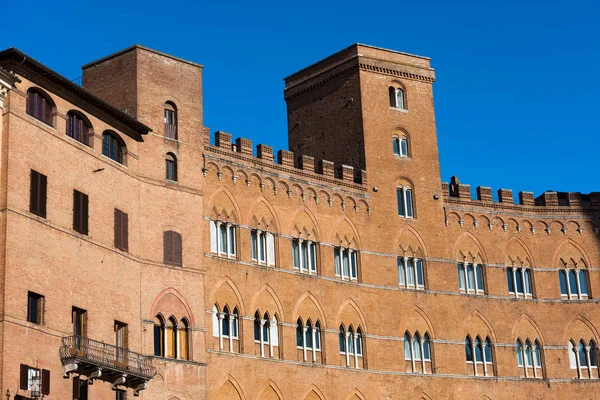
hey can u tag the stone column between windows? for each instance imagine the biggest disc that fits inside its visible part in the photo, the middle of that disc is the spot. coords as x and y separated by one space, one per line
165 337
314 344
473 349
347 349
523 282
514 274
355 339
485 371
231 322
534 349
405 263
412 354
301 260
577 362
176 337
221 316
219 244
304 329
578 284
227 239
262 338
524 357
588 359
422 345
271 325
568 284
404 201
476 283
309 256
466 269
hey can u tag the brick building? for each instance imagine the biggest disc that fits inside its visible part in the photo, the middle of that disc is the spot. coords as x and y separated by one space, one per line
138 258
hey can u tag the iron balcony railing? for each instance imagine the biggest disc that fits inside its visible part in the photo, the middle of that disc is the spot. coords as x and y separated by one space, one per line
171 131
77 349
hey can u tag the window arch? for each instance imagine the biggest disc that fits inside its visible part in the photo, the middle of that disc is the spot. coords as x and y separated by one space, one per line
417 353
266 335
397 97
351 346
583 356
308 341
40 106
159 336
479 353
226 328
400 146
184 340
170 120
172 344
171 167
113 147
79 128
404 194
529 358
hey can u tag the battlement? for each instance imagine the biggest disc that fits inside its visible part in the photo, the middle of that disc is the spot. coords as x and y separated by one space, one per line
456 191
301 165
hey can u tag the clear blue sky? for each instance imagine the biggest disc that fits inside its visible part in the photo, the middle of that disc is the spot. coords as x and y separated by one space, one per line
517 90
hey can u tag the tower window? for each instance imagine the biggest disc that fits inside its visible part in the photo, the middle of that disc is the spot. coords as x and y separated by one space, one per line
397 98
113 147
400 146
170 119
39 106
78 128
171 167
405 202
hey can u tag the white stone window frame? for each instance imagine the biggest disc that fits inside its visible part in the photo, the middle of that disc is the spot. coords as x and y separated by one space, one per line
515 292
227 249
263 241
580 368
311 256
475 290
351 256
575 296
415 276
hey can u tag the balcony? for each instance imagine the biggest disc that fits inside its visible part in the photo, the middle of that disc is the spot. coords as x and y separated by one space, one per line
171 131
105 362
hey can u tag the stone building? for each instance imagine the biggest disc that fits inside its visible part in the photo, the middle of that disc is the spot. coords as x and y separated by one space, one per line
141 258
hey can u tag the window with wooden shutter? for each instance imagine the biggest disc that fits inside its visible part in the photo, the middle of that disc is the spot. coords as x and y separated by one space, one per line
76 388
121 230
35 308
24 377
39 107
45 382
37 194
172 248
80 212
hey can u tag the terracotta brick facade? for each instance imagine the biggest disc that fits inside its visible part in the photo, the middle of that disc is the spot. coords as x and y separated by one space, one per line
336 190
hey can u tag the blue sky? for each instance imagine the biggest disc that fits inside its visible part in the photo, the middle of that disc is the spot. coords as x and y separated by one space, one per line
516 90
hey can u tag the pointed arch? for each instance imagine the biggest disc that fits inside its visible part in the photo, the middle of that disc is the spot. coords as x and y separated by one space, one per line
343 226
356 394
229 386
516 247
224 191
352 304
162 298
225 283
314 393
268 390
255 208
297 216
269 290
407 322
409 233
572 331
477 314
570 250
468 244
518 329
317 305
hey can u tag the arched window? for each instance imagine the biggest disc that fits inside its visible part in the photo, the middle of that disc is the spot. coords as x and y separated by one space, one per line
226 328
308 340
397 98
519 281
479 353
405 201
79 128
39 106
470 278
417 353
274 331
172 338
170 118
410 272
342 339
317 336
426 347
407 349
304 255
582 354
308 335
223 238
358 341
113 147
256 327
519 353
400 146
184 351
171 167
299 333
573 283
345 263
263 247
159 336
225 322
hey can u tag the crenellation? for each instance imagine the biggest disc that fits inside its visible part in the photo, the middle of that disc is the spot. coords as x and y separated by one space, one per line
347 173
464 191
264 152
223 140
526 198
484 193
327 168
243 146
505 196
286 158
548 199
595 199
307 163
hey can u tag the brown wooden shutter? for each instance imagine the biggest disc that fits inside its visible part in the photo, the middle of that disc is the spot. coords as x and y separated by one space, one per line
168 247
84 213
24 377
43 181
125 337
33 192
76 211
118 230
45 381
177 249
84 325
125 231
76 388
